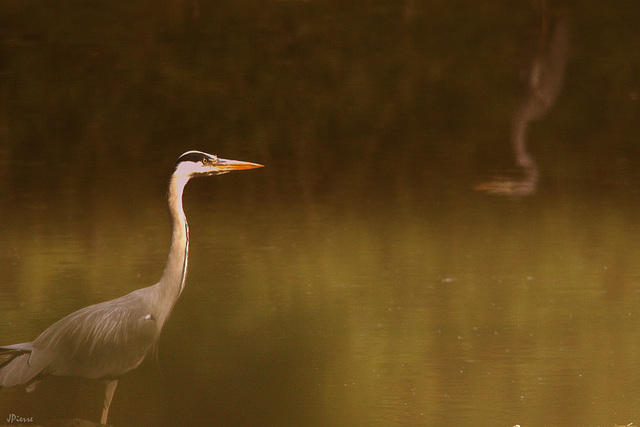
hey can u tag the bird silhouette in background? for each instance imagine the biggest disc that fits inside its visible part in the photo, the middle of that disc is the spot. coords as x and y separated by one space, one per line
542 80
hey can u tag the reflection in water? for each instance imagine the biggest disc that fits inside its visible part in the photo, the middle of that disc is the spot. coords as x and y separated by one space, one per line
349 289
542 81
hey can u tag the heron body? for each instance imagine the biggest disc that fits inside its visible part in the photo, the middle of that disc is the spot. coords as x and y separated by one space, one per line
109 339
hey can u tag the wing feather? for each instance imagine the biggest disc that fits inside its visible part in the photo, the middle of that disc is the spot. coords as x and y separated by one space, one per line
101 340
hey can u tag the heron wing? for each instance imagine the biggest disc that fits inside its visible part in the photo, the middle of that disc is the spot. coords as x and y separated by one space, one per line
15 370
101 340
24 347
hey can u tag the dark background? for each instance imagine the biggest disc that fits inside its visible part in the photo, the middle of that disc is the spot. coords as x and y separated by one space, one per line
358 278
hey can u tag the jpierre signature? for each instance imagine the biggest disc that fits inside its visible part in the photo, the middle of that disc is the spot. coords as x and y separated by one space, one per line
13 418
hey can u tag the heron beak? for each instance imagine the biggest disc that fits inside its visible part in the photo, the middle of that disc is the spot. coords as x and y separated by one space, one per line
224 165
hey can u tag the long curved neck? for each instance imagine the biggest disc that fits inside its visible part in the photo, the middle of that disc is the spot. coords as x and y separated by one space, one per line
519 140
175 271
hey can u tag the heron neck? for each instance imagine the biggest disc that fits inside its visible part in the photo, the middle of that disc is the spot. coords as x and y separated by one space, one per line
175 271
519 140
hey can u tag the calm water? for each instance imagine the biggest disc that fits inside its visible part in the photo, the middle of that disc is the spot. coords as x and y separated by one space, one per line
360 278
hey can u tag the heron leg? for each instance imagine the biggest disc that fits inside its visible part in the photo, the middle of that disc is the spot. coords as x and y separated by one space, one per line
108 395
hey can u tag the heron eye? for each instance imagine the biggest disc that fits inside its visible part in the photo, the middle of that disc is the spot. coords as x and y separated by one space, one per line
205 161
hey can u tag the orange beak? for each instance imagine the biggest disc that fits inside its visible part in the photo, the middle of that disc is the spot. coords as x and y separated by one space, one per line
224 165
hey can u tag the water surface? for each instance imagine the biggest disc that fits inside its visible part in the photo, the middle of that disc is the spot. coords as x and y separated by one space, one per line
358 279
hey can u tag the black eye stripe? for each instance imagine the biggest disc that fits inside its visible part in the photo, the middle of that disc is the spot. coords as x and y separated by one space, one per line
192 157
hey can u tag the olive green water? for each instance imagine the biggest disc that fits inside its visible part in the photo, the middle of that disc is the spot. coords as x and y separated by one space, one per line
358 279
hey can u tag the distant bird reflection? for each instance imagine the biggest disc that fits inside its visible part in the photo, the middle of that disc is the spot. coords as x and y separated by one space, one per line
543 78
109 339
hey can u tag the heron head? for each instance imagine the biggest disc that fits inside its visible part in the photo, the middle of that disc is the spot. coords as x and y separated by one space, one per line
197 163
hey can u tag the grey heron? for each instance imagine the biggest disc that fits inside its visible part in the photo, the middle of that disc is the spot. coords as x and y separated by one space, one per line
109 339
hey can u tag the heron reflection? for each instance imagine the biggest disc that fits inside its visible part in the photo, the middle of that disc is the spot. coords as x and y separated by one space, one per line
541 83
109 339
